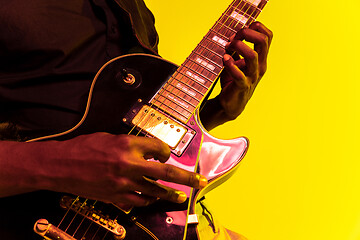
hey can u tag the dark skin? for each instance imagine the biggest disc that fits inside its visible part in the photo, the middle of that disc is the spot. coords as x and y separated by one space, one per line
240 77
113 168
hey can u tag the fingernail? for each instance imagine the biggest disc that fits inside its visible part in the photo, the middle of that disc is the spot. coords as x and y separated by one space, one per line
181 197
202 181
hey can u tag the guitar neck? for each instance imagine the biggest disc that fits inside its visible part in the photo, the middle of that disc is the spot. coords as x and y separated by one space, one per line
188 86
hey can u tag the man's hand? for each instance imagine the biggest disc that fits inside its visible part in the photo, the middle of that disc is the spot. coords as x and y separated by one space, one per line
114 169
243 71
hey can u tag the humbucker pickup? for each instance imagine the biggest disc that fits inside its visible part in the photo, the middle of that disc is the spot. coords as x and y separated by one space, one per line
157 124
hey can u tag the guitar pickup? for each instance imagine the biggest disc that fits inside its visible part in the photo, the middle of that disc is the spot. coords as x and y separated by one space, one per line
159 125
154 123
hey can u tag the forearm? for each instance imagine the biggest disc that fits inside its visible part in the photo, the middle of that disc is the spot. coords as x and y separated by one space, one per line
26 167
18 168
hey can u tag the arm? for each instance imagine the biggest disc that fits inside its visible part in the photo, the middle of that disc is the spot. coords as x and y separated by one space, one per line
99 166
240 76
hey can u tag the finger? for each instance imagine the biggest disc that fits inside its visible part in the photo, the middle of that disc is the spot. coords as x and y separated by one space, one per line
152 148
260 40
250 56
170 173
258 26
154 189
234 70
134 199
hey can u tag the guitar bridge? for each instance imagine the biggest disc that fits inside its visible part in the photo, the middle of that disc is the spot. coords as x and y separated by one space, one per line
81 208
50 232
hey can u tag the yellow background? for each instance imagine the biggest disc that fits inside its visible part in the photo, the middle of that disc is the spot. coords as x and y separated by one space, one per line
300 178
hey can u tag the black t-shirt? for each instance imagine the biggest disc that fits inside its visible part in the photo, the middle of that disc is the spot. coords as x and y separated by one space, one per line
50 50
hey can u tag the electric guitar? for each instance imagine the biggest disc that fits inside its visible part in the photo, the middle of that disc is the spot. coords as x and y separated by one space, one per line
162 101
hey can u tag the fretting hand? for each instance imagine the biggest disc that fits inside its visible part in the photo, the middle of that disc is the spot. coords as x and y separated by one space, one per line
243 71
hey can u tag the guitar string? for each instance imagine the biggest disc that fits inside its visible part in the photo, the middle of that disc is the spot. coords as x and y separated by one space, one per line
76 213
202 48
163 89
87 229
95 233
83 219
168 83
174 75
141 130
68 210
152 103
178 80
166 86
90 224
173 78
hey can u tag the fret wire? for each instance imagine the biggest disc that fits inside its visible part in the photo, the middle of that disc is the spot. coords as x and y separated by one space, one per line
172 100
202 74
170 109
224 29
209 70
206 57
247 16
257 14
247 10
227 38
186 85
237 22
201 69
262 5
174 81
211 51
194 80
229 8
215 42
179 97
223 25
228 28
231 23
215 31
246 3
173 109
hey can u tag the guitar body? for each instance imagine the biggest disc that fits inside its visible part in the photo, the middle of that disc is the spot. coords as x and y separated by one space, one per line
111 105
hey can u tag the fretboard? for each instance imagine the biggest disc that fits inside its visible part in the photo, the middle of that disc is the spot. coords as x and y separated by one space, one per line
187 87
